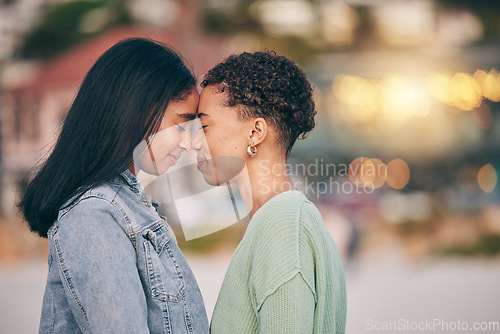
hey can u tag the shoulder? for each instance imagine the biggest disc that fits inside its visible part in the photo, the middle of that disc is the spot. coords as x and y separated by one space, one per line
282 210
310 219
102 196
91 231
96 209
284 217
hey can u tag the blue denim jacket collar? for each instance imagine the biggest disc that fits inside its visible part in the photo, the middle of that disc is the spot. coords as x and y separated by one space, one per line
131 180
128 179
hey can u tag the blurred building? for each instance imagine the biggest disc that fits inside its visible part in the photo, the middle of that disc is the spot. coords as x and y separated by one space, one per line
34 107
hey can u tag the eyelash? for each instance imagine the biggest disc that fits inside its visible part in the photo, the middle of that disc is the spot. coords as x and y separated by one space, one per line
203 126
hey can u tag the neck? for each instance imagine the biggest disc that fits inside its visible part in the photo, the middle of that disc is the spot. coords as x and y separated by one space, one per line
266 179
132 170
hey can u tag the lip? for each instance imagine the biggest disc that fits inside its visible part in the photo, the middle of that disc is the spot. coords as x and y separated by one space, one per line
173 159
201 163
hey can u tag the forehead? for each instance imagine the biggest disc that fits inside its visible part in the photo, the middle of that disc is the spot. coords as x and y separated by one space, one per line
211 100
185 108
187 102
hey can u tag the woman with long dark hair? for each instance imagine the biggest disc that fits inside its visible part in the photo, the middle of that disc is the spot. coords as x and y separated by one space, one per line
114 264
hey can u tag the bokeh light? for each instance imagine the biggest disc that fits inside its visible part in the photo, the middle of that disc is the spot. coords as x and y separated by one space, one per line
359 93
373 173
356 170
339 23
402 97
489 84
487 178
438 85
398 174
466 92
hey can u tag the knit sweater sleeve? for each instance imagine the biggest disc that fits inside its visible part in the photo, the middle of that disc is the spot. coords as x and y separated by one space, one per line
290 309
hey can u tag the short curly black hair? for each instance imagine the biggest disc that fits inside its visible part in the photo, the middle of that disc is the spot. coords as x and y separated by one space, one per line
263 84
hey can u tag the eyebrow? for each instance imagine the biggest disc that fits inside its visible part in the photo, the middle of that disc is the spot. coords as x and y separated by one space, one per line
188 116
202 114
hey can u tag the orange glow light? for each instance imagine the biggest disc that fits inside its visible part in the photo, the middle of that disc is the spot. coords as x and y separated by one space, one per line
373 173
398 174
356 170
487 178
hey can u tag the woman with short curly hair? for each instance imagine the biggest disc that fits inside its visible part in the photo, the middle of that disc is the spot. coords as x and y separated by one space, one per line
286 275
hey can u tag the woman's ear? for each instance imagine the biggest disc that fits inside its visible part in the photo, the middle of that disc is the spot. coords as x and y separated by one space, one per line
258 131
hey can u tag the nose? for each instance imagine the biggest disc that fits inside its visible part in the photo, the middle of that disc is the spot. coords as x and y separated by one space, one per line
197 142
185 140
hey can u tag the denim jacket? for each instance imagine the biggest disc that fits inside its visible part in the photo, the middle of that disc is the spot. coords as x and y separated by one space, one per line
115 267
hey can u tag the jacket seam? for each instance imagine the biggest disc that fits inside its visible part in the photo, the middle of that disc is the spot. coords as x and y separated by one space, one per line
52 324
68 279
124 216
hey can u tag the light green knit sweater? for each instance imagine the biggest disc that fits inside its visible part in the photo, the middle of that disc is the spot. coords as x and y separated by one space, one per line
286 275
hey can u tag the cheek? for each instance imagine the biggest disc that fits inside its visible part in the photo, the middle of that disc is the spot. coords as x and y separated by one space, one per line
165 142
211 143
226 144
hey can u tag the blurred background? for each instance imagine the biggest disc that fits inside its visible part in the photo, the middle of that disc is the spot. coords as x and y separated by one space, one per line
403 163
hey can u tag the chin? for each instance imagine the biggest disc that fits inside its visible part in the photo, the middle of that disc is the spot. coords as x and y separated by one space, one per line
211 180
210 175
158 170
221 169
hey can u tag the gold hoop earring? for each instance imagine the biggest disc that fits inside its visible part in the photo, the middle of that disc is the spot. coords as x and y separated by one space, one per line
251 150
